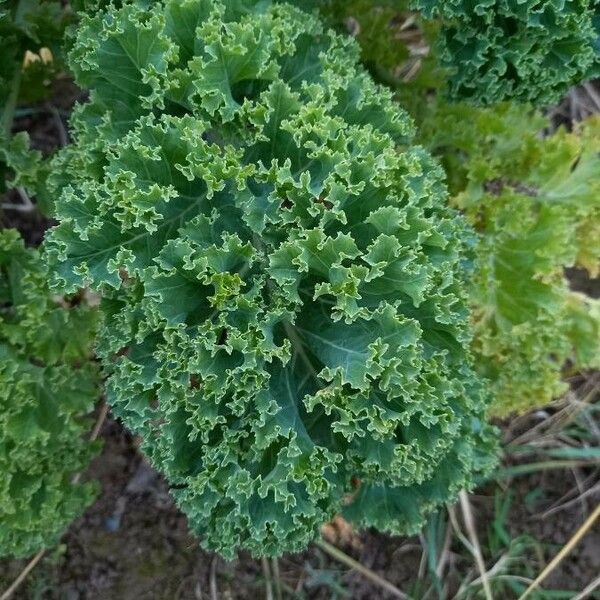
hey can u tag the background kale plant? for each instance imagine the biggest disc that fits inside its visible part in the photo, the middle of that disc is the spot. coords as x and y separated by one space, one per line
34 28
285 320
31 47
535 203
526 50
47 386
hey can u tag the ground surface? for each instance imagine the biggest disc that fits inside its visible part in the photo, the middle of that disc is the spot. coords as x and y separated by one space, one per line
133 544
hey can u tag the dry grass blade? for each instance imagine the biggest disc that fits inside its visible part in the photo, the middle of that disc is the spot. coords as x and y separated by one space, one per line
445 553
593 95
268 582
26 206
104 408
588 589
63 136
276 578
566 505
496 572
366 572
566 549
214 594
23 575
476 546
99 422
198 591
570 406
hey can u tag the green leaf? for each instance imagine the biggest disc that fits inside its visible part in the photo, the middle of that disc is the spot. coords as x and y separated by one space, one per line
48 384
535 203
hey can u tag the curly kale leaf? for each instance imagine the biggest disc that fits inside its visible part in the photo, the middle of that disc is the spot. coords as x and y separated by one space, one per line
47 386
531 50
25 168
536 204
285 322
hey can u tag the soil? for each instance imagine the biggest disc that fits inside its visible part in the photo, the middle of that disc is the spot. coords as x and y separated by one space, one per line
133 543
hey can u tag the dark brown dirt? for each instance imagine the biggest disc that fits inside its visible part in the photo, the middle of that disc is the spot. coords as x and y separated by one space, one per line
555 529
153 556
580 281
46 122
31 225
133 543
532 515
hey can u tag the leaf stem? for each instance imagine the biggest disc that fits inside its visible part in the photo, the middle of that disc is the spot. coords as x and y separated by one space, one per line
11 104
298 348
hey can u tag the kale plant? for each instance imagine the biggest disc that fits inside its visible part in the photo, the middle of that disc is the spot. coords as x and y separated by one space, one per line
535 201
29 27
527 50
285 322
47 386
31 38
